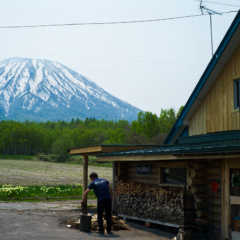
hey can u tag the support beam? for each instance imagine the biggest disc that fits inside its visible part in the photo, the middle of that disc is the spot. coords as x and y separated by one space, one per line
85 180
225 200
114 187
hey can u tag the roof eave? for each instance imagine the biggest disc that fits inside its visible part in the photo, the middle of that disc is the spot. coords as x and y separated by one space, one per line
170 157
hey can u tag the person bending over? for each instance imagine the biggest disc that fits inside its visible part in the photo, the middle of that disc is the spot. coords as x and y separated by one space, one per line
101 188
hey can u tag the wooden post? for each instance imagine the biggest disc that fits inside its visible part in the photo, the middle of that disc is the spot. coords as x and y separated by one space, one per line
85 180
114 187
225 200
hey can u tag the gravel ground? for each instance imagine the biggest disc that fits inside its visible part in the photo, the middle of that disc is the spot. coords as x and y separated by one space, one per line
51 206
38 221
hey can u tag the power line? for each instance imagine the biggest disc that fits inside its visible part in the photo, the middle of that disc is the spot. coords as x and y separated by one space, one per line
109 23
219 3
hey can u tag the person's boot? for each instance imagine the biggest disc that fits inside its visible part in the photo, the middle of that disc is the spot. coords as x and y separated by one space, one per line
109 231
100 231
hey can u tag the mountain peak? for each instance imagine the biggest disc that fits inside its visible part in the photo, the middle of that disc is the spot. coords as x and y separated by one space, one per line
40 90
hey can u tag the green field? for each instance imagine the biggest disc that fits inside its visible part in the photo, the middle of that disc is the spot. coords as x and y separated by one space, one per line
33 172
31 179
38 193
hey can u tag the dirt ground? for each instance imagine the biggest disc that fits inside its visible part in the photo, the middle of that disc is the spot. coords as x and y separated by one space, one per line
26 172
38 221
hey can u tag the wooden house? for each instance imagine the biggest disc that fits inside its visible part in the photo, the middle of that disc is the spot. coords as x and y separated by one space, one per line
194 179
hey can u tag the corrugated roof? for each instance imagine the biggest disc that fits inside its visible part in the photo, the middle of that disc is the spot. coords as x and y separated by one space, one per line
223 136
222 142
183 149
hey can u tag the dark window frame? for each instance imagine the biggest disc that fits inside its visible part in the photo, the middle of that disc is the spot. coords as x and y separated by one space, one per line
166 179
236 91
144 169
235 182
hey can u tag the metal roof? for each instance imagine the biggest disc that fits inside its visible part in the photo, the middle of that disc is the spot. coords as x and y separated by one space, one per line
222 142
183 149
216 137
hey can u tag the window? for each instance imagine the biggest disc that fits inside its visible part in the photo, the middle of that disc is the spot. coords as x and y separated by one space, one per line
174 175
235 181
144 169
236 89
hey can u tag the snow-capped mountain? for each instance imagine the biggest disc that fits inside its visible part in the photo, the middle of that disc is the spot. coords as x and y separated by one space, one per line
41 90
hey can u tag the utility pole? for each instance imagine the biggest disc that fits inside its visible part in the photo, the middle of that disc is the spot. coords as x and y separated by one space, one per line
210 12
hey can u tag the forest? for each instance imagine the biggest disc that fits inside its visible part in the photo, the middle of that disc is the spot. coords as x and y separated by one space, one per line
31 138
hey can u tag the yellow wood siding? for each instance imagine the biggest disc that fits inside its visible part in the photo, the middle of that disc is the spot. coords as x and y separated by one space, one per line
216 111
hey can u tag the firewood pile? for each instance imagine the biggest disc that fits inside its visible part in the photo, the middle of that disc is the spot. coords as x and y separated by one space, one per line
146 202
117 223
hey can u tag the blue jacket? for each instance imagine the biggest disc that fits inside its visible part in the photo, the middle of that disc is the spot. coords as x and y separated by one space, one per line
100 187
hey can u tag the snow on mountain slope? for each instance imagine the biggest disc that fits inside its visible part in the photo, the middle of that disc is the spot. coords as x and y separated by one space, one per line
41 90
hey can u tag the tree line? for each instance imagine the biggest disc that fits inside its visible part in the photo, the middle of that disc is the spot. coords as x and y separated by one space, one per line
30 138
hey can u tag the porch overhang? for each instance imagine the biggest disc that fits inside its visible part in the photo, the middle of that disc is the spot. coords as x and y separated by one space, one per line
95 150
168 157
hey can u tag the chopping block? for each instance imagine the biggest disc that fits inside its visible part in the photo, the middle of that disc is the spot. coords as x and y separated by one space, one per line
85 222
85 219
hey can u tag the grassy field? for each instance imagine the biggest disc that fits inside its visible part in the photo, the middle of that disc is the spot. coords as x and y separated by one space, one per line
33 172
39 193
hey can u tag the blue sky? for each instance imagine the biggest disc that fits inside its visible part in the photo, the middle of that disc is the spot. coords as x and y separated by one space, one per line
150 65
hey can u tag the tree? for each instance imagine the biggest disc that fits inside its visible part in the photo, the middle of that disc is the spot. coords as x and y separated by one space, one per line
57 137
166 120
116 136
61 146
146 125
180 111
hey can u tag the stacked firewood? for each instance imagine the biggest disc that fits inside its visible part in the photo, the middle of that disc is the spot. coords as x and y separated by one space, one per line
155 203
117 223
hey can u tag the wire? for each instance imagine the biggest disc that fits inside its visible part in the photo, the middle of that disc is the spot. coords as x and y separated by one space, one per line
219 3
108 23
